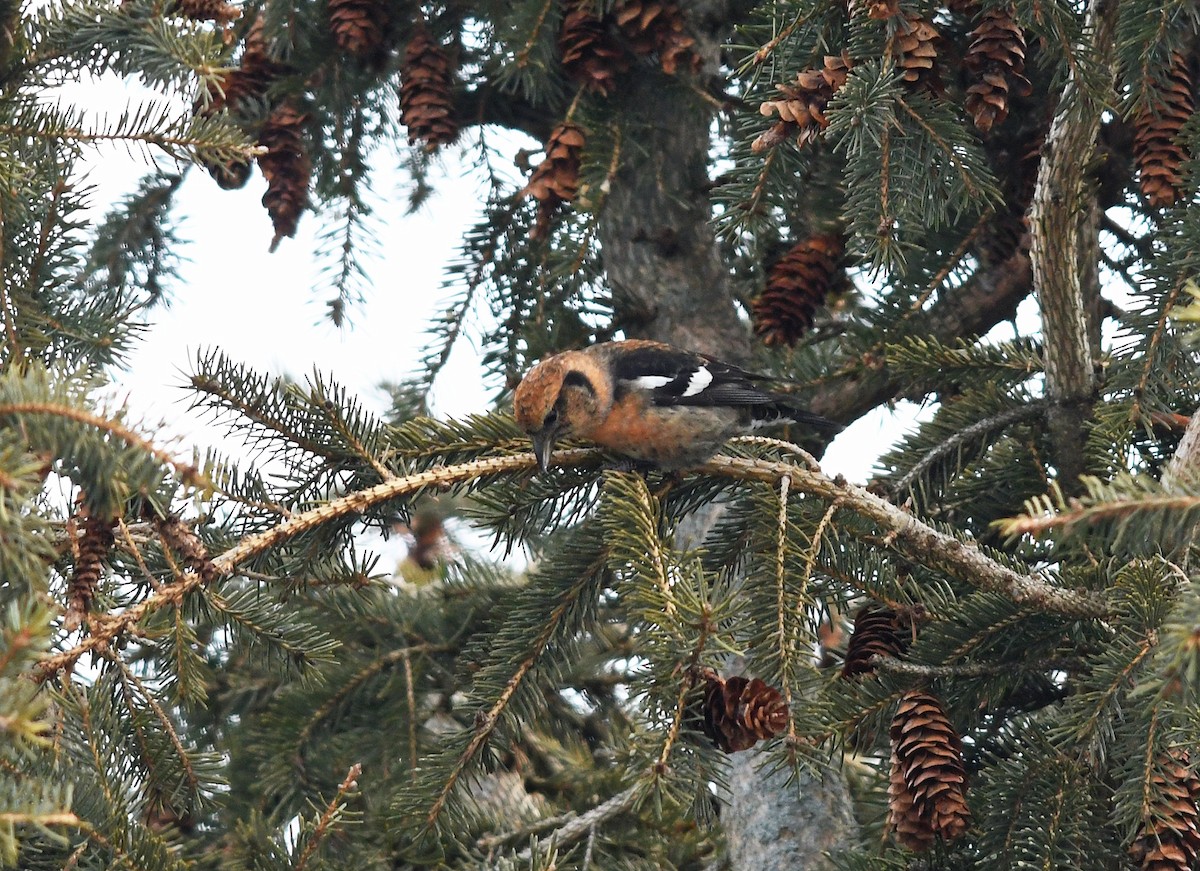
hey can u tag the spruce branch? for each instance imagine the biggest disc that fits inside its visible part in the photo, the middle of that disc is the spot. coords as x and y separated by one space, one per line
328 817
988 297
129 680
575 827
1150 355
964 437
970 669
187 472
1103 503
913 538
487 721
918 541
108 628
1059 250
351 684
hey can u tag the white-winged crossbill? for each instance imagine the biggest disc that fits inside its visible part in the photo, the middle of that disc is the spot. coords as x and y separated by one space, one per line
649 401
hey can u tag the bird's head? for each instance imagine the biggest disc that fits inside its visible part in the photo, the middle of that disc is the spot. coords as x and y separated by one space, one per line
557 398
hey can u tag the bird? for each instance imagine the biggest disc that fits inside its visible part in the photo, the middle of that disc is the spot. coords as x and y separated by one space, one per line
649 402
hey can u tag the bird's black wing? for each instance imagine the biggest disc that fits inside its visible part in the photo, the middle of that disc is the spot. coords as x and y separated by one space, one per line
675 377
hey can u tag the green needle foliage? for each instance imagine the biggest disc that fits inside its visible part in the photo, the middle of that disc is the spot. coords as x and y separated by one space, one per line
204 666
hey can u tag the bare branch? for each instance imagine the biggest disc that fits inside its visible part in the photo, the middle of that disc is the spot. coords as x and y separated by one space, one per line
1064 245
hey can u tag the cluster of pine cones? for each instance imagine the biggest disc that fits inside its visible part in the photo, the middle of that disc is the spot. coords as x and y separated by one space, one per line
992 68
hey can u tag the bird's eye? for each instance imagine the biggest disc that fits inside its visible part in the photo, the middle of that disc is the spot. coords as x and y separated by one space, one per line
551 418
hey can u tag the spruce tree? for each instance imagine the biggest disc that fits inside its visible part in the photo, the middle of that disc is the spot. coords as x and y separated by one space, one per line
985 657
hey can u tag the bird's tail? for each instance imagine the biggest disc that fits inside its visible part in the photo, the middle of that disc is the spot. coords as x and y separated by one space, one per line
804 417
787 410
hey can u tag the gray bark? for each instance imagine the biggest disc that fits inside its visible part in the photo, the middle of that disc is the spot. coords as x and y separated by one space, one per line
771 825
1065 237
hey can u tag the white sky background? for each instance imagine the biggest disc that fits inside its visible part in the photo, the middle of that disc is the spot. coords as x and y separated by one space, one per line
268 310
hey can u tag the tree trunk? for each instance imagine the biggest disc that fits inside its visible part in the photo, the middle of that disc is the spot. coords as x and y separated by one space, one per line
669 283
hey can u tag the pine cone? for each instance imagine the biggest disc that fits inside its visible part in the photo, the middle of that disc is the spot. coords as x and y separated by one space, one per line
1156 143
208 10
287 167
796 285
996 63
358 26
802 109
658 27
426 106
590 56
556 179
882 9
95 541
1169 837
230 176
737 713
255 73
916 44
877 631
237 91
926 793
903 815
185 544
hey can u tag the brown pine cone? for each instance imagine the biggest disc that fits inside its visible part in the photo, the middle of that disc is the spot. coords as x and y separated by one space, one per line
802 109
208 10
995 62
91 550
1169 837
882 9
426 104
877 631
916 44
927 791
797 285
358 26
658 27
249 81
589 54
556 179
737 713
286 166
1157 147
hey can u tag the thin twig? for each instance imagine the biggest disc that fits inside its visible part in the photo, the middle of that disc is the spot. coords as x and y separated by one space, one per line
786 649
350 684
6 305
766 50
1093 513
945 146
970 669
785 446
410 697
577 827
349 782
